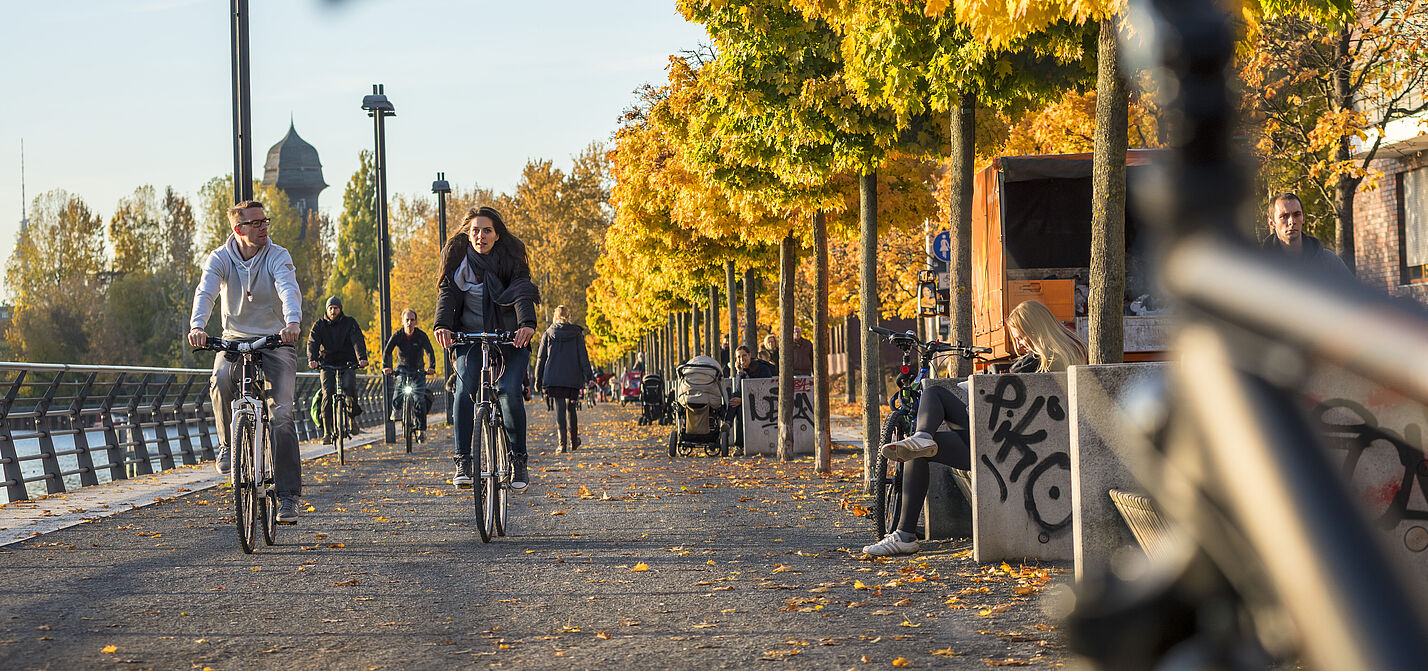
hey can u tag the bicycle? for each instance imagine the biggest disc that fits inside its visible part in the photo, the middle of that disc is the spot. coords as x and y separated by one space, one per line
491 462
1274 560
337 405
887 488
412 387
255 501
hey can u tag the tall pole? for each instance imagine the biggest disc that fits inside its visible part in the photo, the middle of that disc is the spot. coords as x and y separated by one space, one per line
441 187
242 107
379 108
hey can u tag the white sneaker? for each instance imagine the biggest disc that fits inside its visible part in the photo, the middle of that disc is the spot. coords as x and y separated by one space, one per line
916 446
891 545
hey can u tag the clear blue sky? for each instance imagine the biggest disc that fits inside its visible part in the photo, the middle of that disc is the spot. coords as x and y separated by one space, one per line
109 95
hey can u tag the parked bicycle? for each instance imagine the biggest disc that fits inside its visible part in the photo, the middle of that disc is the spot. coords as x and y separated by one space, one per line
1273 564
255 501
492 458
887 486
336 405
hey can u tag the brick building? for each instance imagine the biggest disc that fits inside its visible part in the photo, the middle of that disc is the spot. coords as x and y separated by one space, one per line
1391 221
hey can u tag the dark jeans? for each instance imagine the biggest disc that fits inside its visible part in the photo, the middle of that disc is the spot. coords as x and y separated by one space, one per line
937 407
566 419
508 395
417 380
329 388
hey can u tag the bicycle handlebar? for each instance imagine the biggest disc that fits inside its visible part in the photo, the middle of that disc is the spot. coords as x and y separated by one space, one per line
964 351
338 366
273 341
501 338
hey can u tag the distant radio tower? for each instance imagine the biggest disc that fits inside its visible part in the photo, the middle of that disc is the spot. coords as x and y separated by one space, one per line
24 209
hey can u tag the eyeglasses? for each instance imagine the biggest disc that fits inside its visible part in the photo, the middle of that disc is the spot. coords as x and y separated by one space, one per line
256 222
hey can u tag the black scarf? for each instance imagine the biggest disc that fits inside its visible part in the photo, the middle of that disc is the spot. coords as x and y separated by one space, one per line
496 291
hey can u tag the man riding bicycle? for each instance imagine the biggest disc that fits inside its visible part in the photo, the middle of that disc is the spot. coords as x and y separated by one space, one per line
410 344
336 340
258 285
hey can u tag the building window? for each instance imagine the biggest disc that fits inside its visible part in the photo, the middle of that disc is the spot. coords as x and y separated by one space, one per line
302 205
1413 223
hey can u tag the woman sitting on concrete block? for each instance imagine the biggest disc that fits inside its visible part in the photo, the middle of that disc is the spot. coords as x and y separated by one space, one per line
1046 346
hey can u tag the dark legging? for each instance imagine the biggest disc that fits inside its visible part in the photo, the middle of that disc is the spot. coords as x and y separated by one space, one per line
565 407
938 406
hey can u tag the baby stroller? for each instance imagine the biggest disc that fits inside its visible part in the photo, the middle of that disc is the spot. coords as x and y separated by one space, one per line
699 409
630 387
652 404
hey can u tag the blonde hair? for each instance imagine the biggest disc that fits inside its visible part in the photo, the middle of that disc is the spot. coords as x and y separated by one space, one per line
1057 346
562 314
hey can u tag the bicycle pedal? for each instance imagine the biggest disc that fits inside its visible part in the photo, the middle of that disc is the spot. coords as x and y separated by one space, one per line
287 524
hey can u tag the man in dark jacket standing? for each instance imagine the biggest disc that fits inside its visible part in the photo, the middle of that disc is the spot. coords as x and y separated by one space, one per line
562 370
1286 221
336 340
802 352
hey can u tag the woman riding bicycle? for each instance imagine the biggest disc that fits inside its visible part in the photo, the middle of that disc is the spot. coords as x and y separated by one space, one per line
485 286
1046 345
562 370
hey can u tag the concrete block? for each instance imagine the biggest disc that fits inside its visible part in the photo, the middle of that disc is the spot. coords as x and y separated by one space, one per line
1021 467
1095 399
947 512
1375 437
760 408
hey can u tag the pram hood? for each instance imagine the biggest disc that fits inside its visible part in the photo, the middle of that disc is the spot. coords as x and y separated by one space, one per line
700 381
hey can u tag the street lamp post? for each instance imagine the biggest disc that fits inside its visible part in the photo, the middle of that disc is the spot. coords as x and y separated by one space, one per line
379 108
242 108
441 187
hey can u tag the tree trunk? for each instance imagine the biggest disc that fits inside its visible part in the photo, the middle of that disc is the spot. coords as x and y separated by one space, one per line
712 330
1347 184
696 337
1106 303
751 312
960 228
822 426
868 316
787 259
733 314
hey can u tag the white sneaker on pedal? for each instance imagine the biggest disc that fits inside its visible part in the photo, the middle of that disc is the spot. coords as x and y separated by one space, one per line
892 545
916 446
462 477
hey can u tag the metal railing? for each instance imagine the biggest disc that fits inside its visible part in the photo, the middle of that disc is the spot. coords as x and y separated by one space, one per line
63 426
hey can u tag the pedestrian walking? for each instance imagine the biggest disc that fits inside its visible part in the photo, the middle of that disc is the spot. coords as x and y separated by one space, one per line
562 370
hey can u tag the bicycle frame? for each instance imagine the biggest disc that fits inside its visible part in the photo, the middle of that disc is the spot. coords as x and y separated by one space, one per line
247 404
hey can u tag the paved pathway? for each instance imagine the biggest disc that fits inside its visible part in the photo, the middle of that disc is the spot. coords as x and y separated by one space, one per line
619 557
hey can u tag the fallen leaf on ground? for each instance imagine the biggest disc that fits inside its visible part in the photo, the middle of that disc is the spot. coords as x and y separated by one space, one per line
641 567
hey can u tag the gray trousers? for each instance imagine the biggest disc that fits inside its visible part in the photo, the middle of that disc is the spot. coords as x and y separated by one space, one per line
280 381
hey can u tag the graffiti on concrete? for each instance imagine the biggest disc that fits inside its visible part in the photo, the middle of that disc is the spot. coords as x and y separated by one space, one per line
1022 457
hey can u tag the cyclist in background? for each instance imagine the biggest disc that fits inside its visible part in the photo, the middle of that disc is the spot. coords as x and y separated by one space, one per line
410 343
336 340
256 280
485 286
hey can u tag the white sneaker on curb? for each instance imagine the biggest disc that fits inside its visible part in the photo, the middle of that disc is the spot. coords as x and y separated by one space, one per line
891 545
912 447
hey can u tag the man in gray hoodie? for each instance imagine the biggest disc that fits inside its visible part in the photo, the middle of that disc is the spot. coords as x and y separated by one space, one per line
257 283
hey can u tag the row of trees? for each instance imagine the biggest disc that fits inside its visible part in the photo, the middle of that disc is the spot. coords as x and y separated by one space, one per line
86 291
818 128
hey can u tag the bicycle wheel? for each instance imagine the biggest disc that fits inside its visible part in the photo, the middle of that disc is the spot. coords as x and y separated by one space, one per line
502 448
408 422
887 487
484 471
478 493
245 504
268 502
339 427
